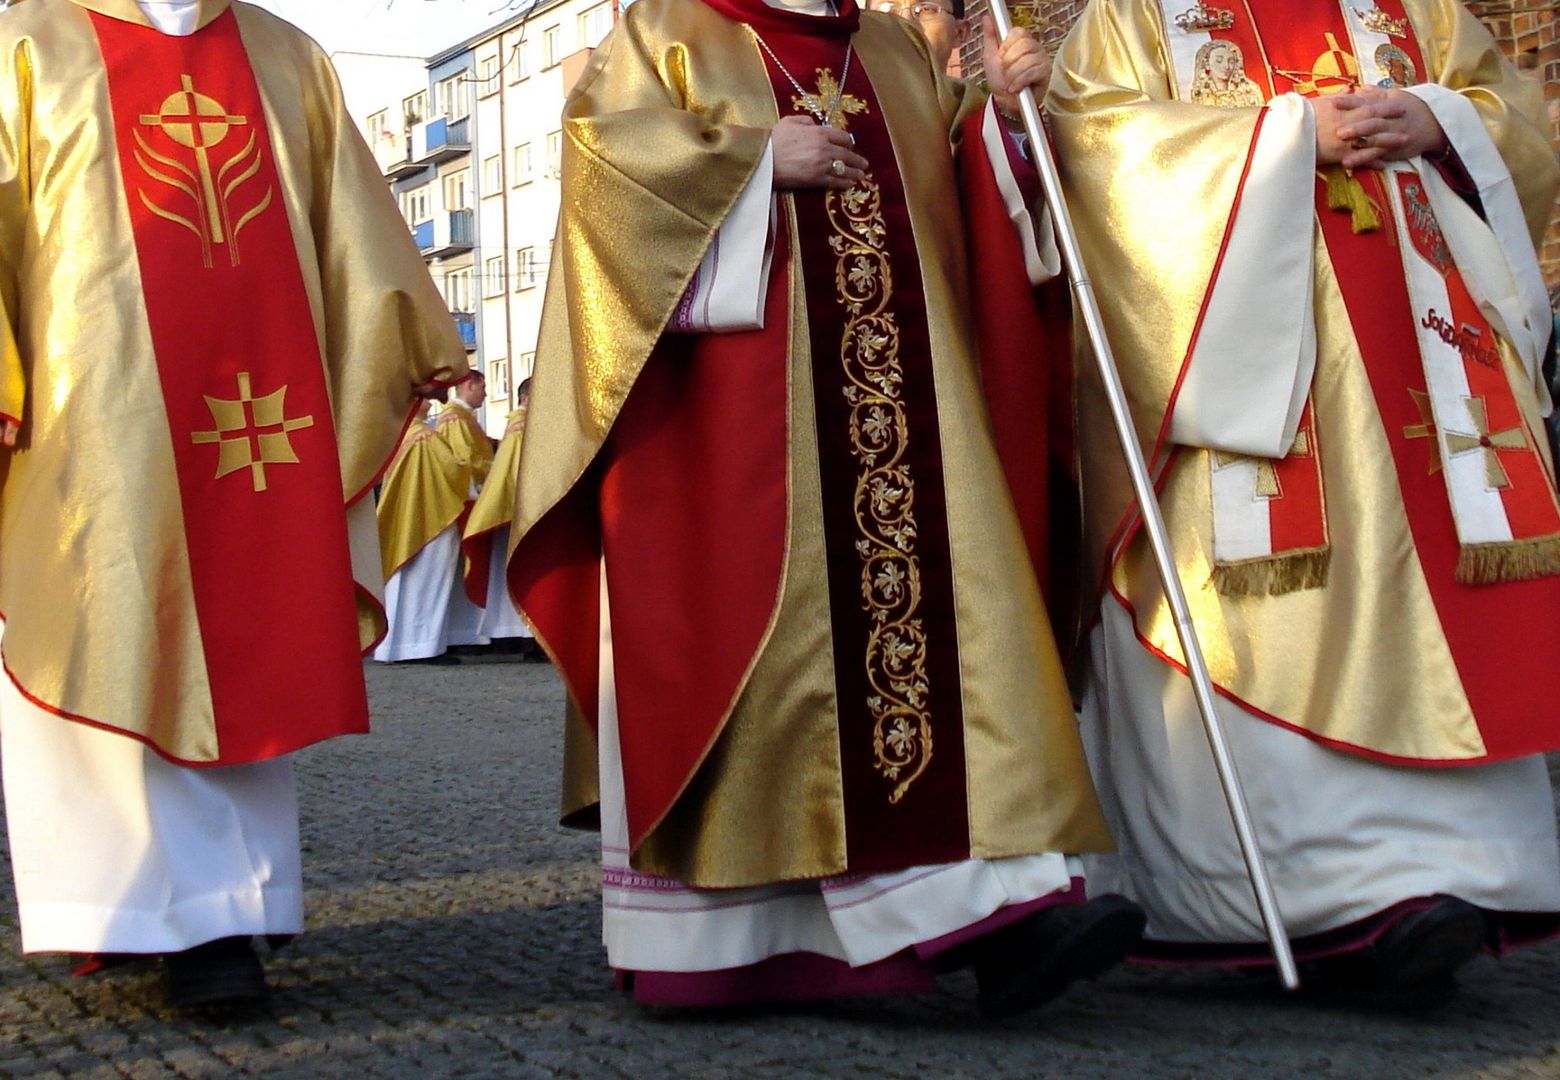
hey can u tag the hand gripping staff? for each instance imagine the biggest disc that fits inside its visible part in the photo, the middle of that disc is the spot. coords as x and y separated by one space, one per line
1153 521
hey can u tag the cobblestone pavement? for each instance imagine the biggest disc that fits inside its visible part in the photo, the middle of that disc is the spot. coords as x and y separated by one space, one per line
455 934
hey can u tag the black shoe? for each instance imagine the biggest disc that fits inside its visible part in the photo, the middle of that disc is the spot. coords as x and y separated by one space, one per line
224 973
1413 964
1027 964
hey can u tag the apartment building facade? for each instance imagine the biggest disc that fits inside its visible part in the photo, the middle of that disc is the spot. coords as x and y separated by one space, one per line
472 150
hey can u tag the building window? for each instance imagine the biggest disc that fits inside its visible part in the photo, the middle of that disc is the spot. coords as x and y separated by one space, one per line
489 84
454 102
492 175
457 190
518 67
552 46
457 289
523 165
594 25
527 365
379 133
493 276
555 155
498 380
415 108
417 204
526 270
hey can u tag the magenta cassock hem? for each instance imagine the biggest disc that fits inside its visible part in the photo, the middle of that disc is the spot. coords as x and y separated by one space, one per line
803 976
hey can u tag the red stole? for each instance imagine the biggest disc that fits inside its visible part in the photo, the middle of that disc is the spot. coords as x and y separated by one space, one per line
248 411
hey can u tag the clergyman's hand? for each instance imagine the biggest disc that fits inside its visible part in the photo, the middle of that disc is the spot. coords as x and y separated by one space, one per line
1019 62
1367 127
9 429
809 155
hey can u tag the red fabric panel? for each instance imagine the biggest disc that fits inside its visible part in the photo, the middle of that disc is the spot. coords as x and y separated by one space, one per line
693 517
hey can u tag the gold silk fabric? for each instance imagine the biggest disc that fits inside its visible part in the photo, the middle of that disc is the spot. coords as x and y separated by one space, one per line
1151 183
680 91
94 573
423 494
495 505
458 427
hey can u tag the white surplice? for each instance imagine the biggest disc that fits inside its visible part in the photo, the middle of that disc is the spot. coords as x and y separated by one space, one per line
114 849
1344 836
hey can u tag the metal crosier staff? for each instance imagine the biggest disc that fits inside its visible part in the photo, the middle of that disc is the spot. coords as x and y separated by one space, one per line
1153 522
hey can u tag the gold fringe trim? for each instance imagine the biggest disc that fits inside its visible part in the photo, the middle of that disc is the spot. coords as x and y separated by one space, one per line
1344 192
1274 575
1518 560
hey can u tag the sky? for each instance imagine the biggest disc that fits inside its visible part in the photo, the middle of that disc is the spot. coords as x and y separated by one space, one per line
400 27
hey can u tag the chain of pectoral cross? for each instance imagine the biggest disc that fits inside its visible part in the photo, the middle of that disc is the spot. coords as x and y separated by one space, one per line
824 112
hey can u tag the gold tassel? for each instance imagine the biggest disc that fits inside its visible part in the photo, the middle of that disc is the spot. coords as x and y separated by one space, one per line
1519 560
1344 192
1275 575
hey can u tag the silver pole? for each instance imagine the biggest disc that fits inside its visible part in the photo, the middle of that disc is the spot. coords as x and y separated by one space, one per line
1153 523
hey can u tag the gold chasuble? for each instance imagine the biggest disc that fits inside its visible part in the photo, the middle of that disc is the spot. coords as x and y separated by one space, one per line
1387 580
830 653
423 493
494 508
213 322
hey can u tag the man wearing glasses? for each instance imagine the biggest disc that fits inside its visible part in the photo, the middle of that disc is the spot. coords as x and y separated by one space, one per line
942 23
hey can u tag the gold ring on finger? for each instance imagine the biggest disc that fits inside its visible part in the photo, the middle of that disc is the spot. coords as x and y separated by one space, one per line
837 167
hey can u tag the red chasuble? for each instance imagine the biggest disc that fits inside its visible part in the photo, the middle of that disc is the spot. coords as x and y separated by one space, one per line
247 408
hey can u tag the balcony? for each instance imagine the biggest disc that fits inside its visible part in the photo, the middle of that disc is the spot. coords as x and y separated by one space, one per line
447 234
440 140
393 154
466 323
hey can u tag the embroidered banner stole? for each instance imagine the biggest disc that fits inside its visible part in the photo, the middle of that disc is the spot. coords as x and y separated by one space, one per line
247 406
896 659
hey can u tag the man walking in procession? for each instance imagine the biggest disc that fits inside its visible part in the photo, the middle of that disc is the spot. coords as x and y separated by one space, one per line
761 524
213 325
1332 346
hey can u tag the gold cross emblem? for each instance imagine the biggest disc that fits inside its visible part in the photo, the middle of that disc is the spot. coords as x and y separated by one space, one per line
1489 443
1268 485
828 103
251 432
1426 429
201 124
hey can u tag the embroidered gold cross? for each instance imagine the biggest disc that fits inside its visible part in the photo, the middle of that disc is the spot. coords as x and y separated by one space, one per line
194 120
1425 430
251 432
829 103
1268 485
1489 443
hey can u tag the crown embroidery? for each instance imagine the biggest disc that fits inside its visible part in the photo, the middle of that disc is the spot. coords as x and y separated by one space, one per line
1378 21
1202 17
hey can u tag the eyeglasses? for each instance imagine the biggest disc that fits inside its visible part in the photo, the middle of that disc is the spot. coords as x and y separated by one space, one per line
922 11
